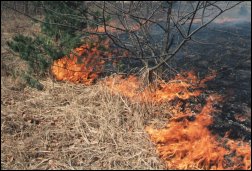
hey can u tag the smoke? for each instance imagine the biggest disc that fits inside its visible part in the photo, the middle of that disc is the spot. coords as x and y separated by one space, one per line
240 13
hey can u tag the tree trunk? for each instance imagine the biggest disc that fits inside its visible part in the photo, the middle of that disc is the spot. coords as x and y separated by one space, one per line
157 74
166 38
149 79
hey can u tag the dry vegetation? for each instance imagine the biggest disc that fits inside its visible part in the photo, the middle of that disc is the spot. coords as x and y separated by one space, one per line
66 126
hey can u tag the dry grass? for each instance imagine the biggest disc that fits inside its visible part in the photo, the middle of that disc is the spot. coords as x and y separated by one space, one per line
11 25
73 127
67 126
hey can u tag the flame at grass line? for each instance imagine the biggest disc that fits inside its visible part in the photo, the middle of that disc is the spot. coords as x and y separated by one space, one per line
185 144
115 26
83 65
188 145
182 87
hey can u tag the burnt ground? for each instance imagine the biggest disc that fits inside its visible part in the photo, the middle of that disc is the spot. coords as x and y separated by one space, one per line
67 127
227 50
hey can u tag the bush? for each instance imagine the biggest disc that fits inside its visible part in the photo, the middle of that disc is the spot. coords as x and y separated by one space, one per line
60 33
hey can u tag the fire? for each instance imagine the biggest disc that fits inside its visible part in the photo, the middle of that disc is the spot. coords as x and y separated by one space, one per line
115 26
128 87
186 142
111 27
190 145
243 153
83 65
182 87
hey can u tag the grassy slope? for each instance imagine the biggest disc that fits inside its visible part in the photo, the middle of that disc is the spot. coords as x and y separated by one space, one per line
66 126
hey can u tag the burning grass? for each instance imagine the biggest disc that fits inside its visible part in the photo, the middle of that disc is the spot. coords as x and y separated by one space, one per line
71 126
185 143
188 144
66 126
83 65
183 86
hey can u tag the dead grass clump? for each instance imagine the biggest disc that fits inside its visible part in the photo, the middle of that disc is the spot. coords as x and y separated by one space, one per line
70 126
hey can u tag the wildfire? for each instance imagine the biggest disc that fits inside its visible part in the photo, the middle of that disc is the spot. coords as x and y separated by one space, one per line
185 142
182 87
115 26
83 65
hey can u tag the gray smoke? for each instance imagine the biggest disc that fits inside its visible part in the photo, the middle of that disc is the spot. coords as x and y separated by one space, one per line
240 13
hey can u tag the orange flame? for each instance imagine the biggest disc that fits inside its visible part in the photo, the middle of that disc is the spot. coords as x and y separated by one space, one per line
82 66
190 145
182 87
243 153
185 144
114 26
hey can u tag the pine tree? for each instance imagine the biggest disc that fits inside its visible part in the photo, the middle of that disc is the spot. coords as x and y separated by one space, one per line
60 33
